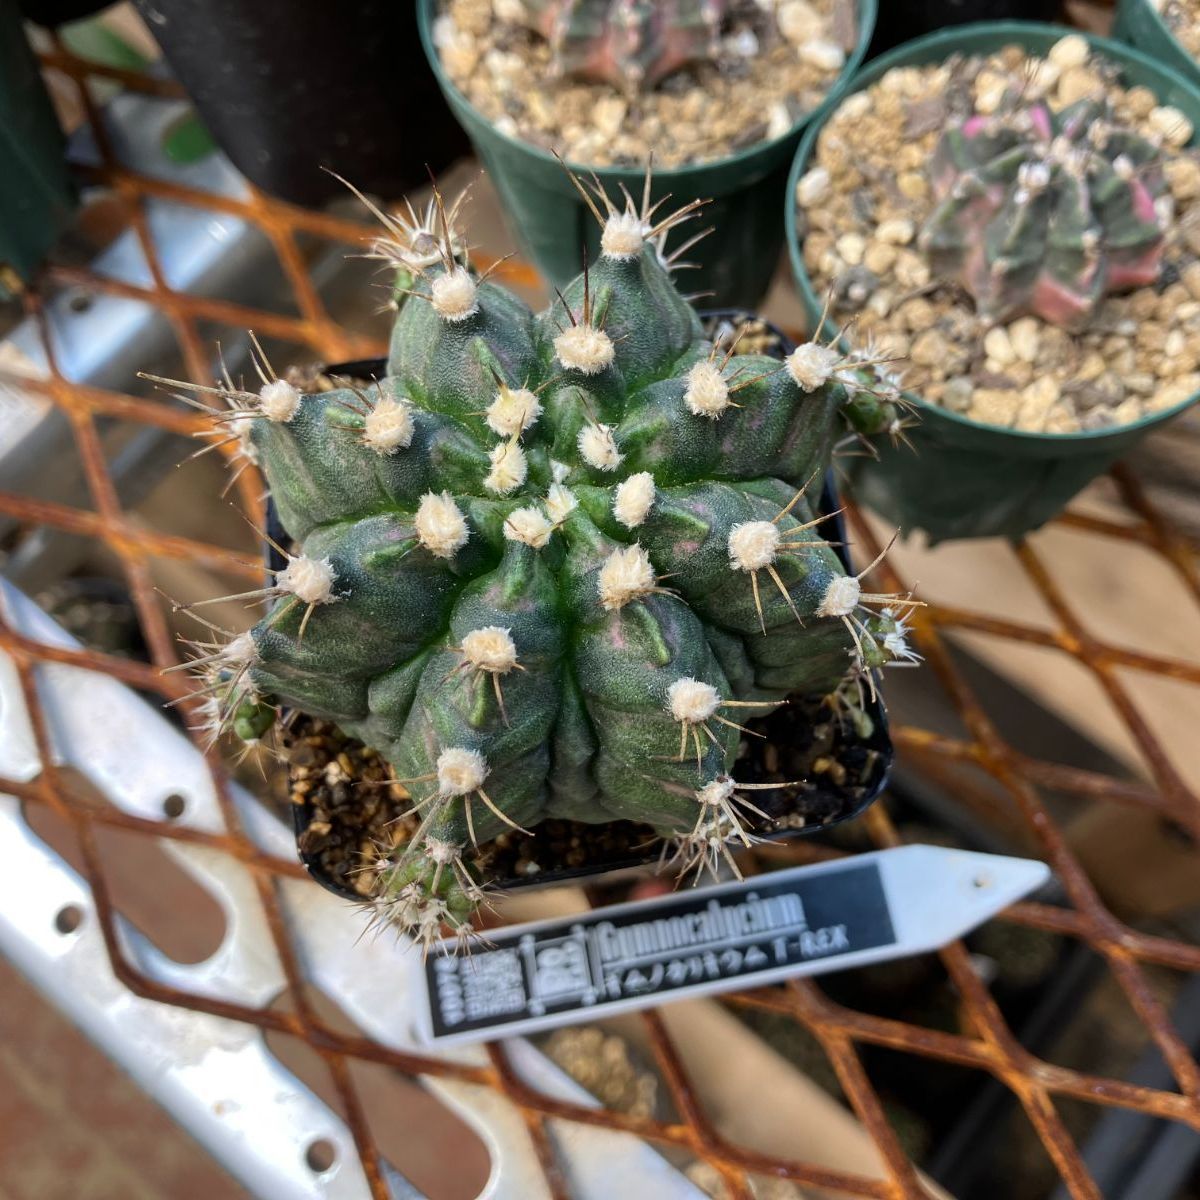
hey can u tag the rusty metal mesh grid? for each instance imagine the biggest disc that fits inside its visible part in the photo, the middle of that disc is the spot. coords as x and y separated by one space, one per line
984 1042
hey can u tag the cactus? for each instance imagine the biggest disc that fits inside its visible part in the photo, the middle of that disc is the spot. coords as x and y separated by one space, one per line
547 565
628 43
1043 212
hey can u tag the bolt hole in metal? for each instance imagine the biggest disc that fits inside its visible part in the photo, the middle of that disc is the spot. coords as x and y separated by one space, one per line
320 1156
81 302
68 918
174 806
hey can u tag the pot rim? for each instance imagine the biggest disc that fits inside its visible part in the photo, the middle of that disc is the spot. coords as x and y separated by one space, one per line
867 12
1161 25
1021 33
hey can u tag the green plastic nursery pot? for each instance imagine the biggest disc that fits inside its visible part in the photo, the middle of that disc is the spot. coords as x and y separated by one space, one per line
967 479
736 261
1140 25
36 197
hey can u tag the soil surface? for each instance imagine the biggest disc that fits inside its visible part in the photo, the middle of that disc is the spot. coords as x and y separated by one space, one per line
353 813
863 202
775 62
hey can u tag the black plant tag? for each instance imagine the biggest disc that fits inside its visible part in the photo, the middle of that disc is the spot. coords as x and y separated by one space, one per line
801 921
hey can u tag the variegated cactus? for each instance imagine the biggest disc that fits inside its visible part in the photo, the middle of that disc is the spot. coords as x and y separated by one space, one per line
548 564
628 43
1045 212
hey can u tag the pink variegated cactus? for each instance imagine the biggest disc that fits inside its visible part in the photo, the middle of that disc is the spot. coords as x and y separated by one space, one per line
1043 212
628 43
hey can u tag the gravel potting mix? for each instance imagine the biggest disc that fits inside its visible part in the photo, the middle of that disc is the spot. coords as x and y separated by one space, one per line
1182 18
774 63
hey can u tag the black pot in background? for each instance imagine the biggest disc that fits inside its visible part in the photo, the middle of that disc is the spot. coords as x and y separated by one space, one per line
902 20
287 87
53 13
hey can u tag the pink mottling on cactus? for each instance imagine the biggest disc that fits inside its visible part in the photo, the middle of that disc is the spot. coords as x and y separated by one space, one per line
1143 202
975 273
1059 305
1136 272
1039 118
628 43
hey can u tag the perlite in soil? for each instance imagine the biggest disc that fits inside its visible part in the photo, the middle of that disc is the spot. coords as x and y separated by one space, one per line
549 565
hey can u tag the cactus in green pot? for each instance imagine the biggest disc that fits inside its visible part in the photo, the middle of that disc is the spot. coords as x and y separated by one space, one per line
1046 212
548 565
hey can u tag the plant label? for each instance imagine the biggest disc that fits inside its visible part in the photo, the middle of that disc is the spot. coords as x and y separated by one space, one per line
802 921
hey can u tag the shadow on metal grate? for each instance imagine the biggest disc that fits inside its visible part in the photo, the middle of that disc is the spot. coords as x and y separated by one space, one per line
229 841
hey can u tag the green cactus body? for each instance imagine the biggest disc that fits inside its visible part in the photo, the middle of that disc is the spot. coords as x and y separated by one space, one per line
548 564
1045 212
628 43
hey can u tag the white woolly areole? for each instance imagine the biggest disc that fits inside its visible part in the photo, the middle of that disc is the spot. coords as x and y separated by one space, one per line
441 527
440 851
454 295
623 236
459 772
490 649
717 791
278 400
634 499
812 365
584 348
559 471
627 574
509 468
707 392
692 700
841 597
528 525
753 545
895 642
389 426
560 503
309 579
513 411
599 447
241 650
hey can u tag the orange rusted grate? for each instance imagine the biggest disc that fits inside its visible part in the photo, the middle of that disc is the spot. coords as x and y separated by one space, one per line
982 1040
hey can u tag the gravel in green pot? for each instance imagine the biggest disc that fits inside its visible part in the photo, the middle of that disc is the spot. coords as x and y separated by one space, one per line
1163 31
1012 209
633 101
